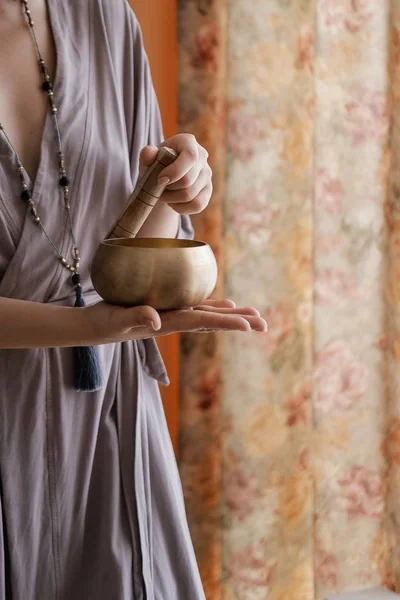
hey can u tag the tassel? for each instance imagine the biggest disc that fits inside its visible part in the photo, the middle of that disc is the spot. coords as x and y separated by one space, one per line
87 371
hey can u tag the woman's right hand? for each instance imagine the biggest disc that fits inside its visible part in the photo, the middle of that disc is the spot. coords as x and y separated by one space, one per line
111 324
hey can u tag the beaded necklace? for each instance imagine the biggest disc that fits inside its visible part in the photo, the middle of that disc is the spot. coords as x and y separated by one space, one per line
87 375
26 194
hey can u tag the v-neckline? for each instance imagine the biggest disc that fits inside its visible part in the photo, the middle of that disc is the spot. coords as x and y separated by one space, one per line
54 31
35 184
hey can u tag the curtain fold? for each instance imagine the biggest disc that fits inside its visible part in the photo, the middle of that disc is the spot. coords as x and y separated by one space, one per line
289 442
202 110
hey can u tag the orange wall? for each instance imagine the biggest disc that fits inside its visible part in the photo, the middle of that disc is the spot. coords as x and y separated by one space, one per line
158 21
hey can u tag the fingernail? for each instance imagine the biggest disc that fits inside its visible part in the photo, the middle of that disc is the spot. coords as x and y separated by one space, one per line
264 330
164 180
144 150
156 326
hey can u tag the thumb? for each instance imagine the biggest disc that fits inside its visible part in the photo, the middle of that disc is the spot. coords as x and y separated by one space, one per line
147 156
139 316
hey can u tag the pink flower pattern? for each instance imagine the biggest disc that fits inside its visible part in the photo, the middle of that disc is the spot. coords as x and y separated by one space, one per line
280 325
325 567
244 130
352 14
209 390
361 491
250 570
332 285
367 116
241 489
299 404
206 48
325 244
328 193
253 217
340 379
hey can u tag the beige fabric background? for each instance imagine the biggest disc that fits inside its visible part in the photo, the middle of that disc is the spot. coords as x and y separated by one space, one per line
290 443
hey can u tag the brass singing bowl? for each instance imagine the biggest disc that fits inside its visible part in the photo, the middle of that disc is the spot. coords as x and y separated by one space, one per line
166 274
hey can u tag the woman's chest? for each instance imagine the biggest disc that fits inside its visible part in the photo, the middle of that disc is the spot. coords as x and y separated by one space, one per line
93 134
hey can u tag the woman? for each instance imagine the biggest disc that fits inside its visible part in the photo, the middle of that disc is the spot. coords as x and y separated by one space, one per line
91 504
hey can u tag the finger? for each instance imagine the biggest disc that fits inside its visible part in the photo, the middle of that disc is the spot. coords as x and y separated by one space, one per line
140 316
189 154
186 160
189 179
186 194
197 320
146 158
203 320
246 310
218 303
226 321
197 205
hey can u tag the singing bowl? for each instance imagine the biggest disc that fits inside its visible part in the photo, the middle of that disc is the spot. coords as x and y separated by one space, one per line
163 273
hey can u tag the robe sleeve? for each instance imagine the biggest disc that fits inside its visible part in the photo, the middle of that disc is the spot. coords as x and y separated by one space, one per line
142 121
142 114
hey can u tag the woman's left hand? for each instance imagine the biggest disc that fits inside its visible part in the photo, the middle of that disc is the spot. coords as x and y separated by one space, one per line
189 186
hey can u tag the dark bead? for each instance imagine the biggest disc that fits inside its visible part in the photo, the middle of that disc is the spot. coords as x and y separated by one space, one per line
64 181
26 195
76 278
47 86
43 69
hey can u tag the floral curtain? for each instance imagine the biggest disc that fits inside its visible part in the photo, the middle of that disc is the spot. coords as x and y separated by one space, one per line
290 442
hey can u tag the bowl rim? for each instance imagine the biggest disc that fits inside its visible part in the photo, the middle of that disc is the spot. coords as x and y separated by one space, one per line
181 244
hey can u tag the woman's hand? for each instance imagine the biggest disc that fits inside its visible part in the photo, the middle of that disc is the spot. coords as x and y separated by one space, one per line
109 324
189 186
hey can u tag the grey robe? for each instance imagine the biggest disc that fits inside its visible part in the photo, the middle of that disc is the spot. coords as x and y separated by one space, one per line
91 502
